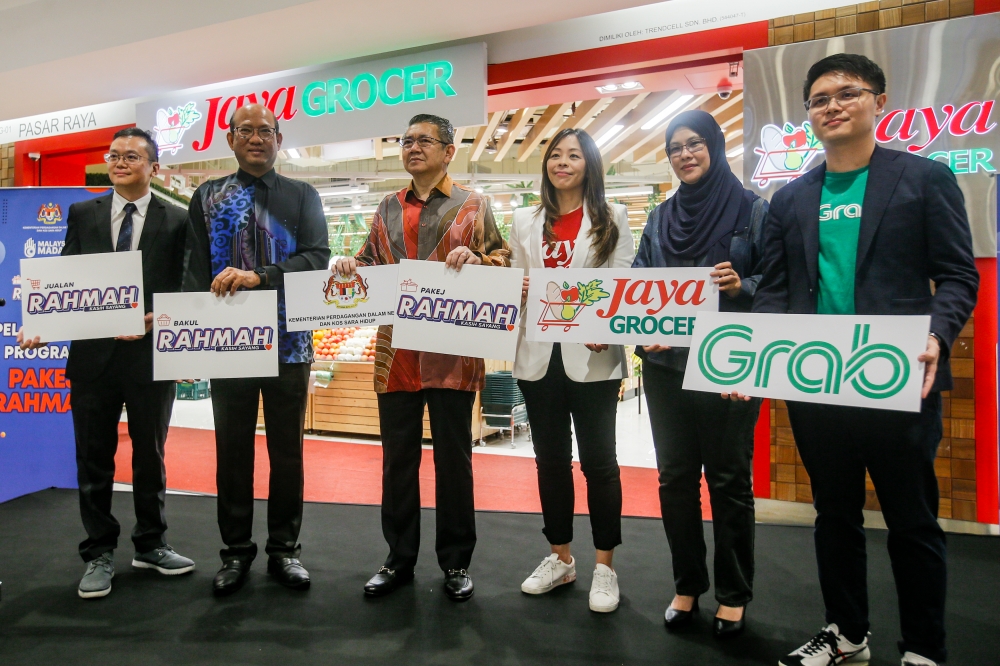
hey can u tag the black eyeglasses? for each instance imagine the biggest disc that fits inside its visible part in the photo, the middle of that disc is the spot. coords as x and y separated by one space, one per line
844 97
693 146
424 142
265 133
130 158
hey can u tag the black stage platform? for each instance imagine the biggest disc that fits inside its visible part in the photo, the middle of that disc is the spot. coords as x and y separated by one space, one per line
151 619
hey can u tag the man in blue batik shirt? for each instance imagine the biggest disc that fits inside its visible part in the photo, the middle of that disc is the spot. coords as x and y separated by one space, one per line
246 231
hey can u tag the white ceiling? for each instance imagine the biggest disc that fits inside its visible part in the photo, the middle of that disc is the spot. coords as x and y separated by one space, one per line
55 54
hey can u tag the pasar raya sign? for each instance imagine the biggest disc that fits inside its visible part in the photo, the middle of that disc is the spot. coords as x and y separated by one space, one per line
859 361
618 306
333 103
941 90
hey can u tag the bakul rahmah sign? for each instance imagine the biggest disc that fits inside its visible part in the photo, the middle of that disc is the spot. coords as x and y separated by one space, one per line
327 104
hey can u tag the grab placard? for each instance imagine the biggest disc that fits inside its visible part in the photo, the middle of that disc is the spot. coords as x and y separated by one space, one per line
198 335
82 296
618 305
858 361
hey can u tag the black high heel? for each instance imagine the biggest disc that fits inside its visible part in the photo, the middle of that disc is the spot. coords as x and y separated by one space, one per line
675 619
729 628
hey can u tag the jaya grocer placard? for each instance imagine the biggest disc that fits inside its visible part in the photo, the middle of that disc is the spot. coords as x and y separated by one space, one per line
859 361
618 305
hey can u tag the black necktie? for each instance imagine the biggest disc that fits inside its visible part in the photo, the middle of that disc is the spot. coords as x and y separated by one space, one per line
125 233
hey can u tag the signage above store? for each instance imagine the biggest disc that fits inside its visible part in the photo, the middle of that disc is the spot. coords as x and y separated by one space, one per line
940 84
82 119
334 103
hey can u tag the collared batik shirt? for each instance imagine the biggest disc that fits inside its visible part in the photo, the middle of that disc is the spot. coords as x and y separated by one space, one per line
247 222
404 227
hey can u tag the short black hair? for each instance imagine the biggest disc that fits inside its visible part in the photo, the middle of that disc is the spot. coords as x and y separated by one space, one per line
852 64
446 132
151 148
232 121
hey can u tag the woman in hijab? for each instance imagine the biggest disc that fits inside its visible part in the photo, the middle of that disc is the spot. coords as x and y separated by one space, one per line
711 220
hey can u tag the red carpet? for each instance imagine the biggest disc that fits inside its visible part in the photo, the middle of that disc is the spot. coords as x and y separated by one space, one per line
339 472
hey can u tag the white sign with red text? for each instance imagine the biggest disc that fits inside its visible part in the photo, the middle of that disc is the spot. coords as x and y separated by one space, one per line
198 335
83 296
622 306
472 312
324 299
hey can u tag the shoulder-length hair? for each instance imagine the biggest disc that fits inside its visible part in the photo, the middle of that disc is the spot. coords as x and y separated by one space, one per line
603 230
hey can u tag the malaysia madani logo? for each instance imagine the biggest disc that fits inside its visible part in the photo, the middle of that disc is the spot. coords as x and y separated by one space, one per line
785 152
50 213
172 123
742 364
345 292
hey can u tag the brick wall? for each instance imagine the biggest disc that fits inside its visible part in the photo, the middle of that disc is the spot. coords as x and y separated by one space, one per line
6 165
863 17
956 461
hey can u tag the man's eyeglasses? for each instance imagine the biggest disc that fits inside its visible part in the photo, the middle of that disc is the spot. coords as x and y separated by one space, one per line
265 133
693 146
844 97
424 142
130 158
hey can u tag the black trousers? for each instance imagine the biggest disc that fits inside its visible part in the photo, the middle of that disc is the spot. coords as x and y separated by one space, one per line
691 430
552 402
401 416
97 409
837 445
235 404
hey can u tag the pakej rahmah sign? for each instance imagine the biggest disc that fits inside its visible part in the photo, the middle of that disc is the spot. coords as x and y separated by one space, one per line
337 102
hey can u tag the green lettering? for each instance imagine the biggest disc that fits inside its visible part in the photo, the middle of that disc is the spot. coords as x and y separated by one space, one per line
632 325
413 76
652 322
438 74
617 324
680 326
663 330
981 158
383 86
364 77
958 161
314 106
337 90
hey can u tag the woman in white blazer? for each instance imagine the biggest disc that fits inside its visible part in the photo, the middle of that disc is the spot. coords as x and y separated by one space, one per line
574 226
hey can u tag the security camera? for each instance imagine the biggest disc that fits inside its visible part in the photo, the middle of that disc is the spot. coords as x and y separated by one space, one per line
725 90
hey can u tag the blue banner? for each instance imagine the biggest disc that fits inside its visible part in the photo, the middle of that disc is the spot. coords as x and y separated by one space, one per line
36 427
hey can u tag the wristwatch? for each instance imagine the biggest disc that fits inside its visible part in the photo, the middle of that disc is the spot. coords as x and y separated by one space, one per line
262 274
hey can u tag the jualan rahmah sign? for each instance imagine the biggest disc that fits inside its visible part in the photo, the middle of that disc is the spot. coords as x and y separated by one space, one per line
856 361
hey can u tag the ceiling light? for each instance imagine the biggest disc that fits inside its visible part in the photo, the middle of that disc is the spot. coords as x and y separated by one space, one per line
631 85
663 115
738 150
478 189
611 87
293 153
501 129
343 191
610 133
618 87
356 204
628 191
350 211
514 203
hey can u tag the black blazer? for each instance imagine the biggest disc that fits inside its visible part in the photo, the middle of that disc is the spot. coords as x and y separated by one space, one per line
914 231
162 246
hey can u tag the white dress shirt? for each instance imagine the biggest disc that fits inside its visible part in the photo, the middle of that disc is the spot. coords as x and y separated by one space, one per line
138 217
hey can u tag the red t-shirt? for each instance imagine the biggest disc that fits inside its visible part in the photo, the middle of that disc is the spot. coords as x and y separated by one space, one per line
559 253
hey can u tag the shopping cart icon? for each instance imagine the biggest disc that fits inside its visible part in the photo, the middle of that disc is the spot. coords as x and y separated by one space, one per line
554 314
35 284
785 153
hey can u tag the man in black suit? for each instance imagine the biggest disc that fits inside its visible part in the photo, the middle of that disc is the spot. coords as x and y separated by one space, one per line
110 372
867 233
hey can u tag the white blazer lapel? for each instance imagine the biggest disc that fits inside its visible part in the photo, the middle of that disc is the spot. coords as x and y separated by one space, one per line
581 250
536 222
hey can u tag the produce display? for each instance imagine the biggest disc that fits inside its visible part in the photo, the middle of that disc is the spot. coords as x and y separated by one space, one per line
345 344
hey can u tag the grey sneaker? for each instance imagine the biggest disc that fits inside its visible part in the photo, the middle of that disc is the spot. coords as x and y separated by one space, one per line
164 560
96 581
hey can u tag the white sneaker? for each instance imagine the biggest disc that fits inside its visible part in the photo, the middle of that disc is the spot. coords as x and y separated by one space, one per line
913 659
549 575
604 590
828 648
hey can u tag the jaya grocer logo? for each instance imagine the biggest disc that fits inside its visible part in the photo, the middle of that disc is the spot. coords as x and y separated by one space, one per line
564 303
744 363
172 123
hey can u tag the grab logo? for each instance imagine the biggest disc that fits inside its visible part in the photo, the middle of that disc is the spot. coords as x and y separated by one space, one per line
850 211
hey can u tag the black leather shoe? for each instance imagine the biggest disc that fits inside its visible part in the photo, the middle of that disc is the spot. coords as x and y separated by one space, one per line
387 580
231 576
289 572
727 628
458 585
675 619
